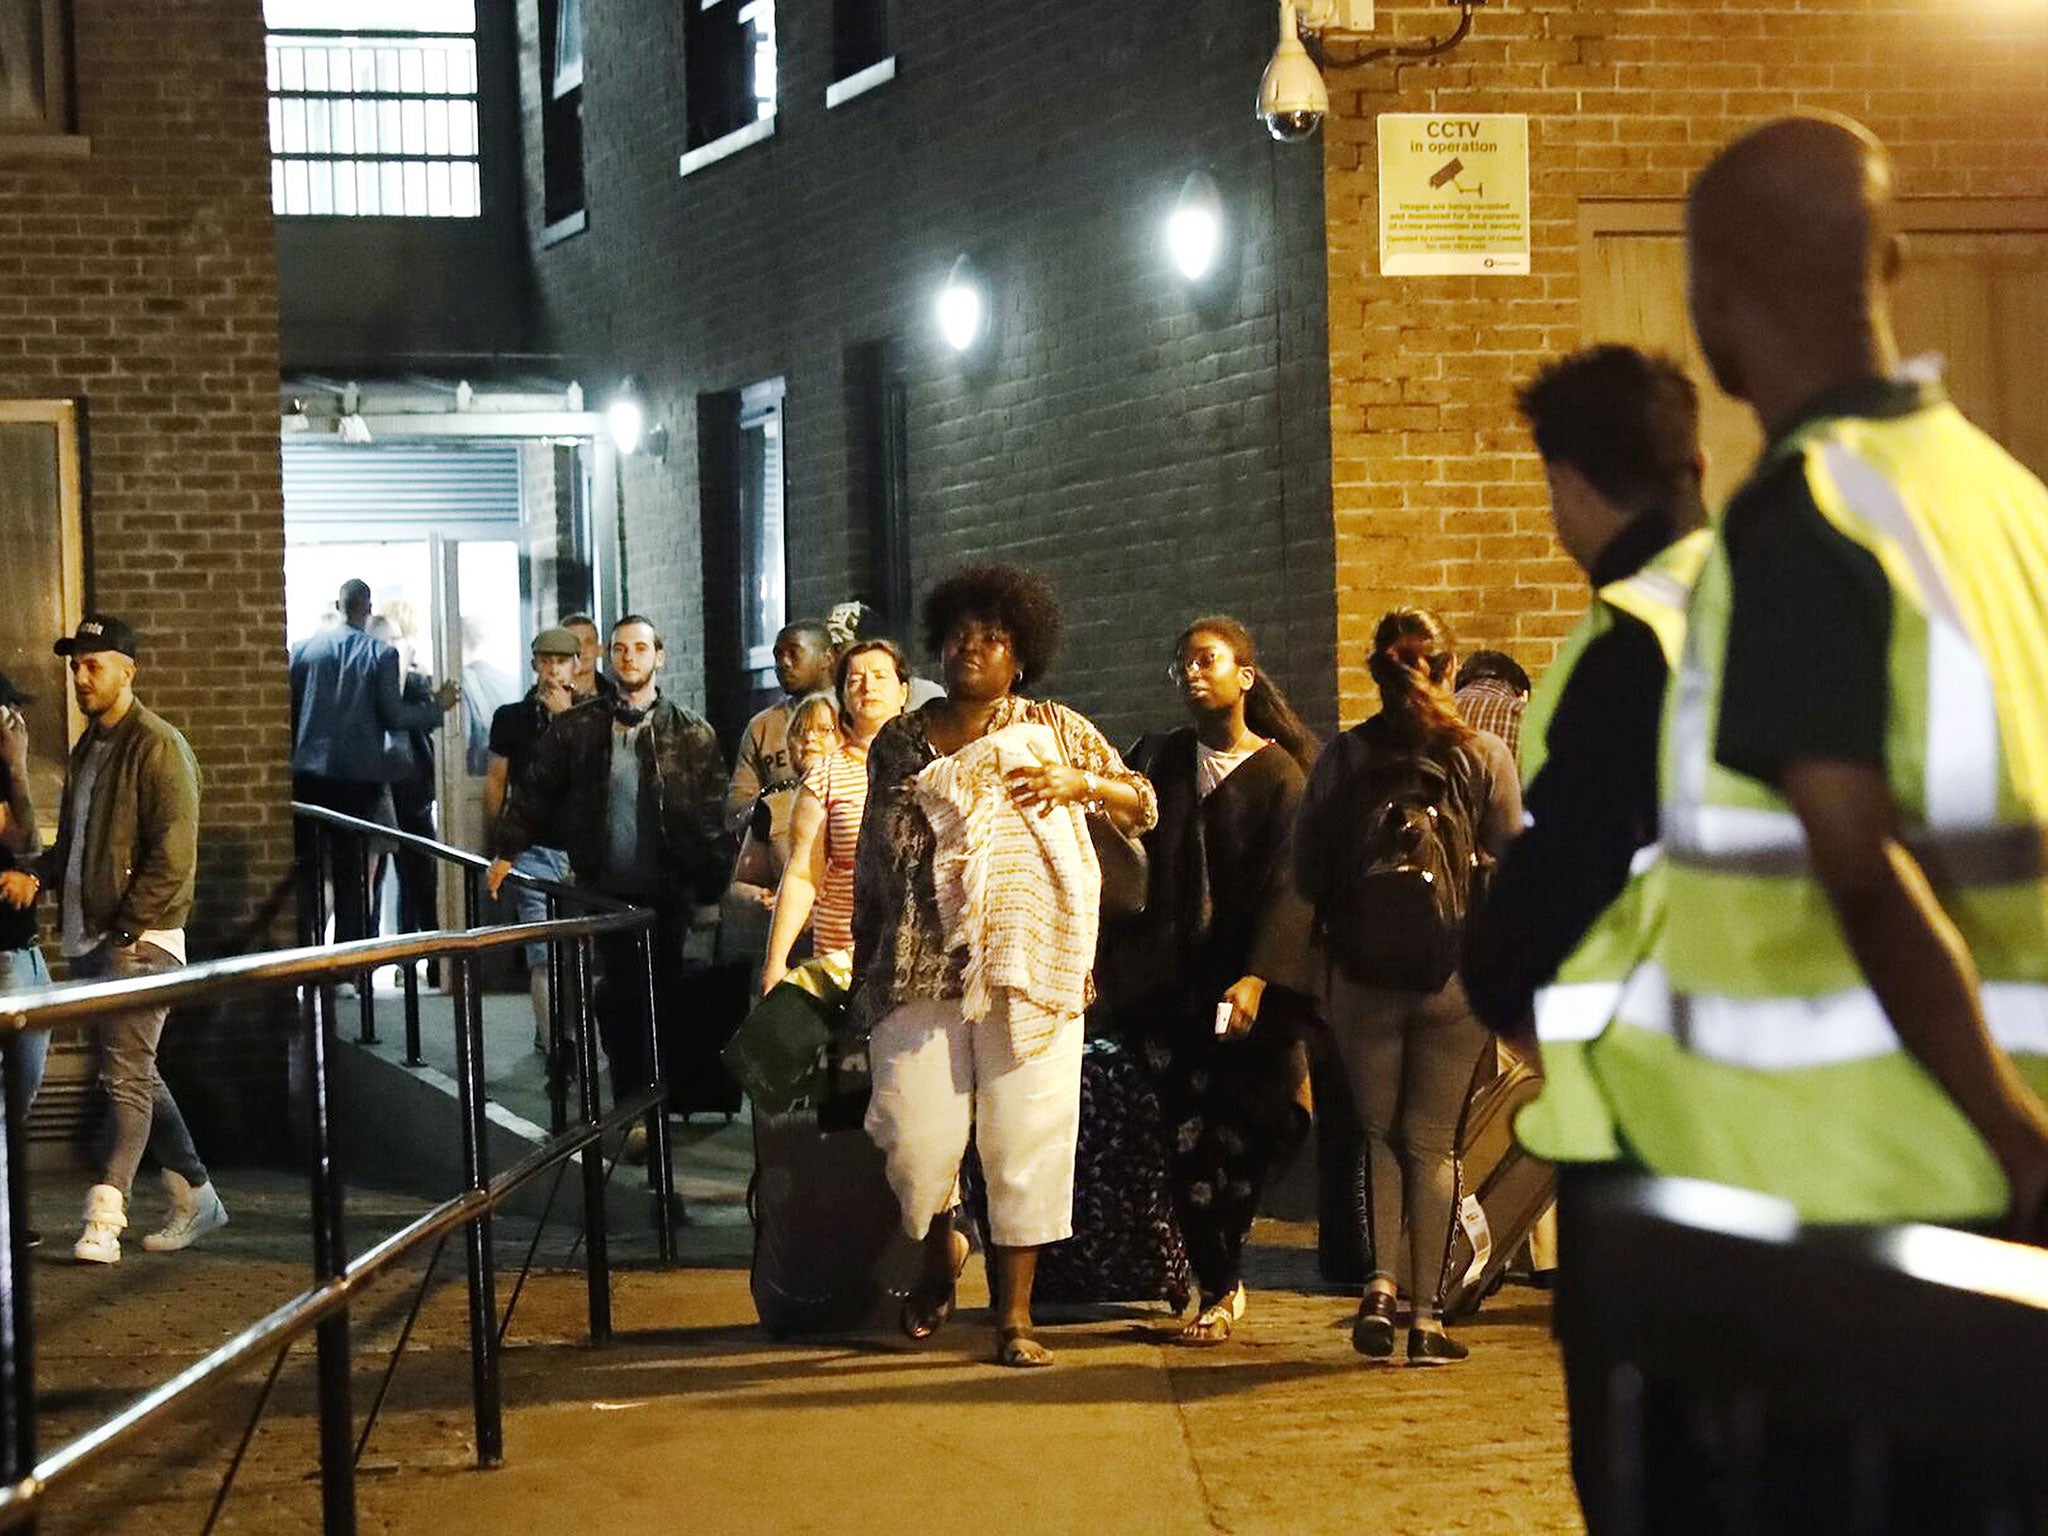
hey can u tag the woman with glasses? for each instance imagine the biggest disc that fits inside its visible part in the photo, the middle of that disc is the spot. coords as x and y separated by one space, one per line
824 829
977 803
1210 981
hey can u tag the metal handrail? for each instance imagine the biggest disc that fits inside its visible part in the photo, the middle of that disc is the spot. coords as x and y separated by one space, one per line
447 853
213 1371
54 1006
314 970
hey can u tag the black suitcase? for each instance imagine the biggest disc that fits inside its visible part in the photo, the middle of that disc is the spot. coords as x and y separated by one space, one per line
698 1020
1503 1190
1126 1244
824 1219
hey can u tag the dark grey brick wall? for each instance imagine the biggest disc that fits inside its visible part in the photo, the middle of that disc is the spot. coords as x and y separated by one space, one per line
1156 456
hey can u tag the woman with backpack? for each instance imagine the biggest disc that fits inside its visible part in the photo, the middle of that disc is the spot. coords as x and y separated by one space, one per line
1399 820
1211 982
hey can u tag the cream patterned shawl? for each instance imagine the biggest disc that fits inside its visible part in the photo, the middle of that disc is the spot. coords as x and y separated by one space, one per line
1021 892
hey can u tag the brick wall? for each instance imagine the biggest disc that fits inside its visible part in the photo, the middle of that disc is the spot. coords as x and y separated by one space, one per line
1156 456
140 281
1436 496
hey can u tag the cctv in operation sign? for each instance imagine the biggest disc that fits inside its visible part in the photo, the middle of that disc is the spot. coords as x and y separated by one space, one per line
1454 193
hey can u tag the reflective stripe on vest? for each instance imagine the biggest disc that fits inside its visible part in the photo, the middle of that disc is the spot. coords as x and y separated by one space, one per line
1789 1033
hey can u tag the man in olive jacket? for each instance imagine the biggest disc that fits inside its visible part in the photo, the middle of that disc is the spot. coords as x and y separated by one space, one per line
123 867
634 787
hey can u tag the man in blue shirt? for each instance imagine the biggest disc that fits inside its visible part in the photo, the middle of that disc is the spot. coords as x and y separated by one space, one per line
348 704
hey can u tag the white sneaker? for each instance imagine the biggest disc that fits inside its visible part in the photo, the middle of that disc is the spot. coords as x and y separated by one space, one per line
106 1215
194 1213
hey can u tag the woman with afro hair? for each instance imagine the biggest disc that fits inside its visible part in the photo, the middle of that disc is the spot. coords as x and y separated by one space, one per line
940 1074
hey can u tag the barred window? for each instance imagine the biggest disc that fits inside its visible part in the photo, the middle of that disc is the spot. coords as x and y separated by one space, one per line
373 108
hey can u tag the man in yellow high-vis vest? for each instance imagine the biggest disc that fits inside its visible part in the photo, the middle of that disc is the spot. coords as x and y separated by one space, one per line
1618 433
1850 987
1572 905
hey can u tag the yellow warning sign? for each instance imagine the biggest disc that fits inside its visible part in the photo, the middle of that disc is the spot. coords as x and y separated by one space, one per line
1454 193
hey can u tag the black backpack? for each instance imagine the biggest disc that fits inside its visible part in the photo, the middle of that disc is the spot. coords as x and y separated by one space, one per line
1404 879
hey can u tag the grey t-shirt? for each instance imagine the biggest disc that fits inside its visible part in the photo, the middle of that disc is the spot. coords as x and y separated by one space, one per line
630 863
72 937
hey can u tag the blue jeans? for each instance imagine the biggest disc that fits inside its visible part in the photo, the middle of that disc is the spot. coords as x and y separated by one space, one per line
531 906
24 970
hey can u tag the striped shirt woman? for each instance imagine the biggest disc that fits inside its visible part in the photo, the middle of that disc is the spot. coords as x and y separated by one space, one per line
817 884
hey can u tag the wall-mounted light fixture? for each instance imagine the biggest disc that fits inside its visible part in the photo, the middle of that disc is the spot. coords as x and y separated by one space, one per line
625 417
1293 101
963 307
1195 229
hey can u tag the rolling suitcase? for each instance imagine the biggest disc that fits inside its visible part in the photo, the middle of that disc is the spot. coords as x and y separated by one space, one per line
1126 1244
699 1017
824 1220
1503 1190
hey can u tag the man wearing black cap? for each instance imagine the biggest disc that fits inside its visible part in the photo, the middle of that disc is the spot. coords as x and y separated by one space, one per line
21 959
347 701
125 862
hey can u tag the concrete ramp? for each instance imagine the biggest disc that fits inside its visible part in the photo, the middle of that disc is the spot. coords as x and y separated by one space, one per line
401 1128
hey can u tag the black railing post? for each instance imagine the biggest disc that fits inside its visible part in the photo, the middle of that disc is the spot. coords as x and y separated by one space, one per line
483 1304
366 994
557 1054
412 1014
330 1259
660 1172
17 1319
597 1264
472 898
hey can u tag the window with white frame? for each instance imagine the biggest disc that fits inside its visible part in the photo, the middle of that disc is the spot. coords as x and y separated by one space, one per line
373 108
860 36
729 66
764 570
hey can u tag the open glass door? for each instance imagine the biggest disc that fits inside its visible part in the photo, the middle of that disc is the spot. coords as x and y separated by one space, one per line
484 648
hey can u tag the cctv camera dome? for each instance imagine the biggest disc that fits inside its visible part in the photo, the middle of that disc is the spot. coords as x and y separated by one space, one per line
1292 127
1292 97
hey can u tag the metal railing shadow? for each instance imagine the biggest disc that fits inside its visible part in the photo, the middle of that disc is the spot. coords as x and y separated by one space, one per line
341 849
1743 1373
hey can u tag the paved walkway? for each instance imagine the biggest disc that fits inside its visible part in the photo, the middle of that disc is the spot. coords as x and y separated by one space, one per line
694 1419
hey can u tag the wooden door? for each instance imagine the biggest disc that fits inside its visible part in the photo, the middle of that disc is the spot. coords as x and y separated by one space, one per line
1974 291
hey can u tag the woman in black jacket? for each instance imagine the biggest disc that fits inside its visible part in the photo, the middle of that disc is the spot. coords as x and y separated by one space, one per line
1208 983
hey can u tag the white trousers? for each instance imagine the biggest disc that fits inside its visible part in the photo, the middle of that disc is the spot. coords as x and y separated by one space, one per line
939 1078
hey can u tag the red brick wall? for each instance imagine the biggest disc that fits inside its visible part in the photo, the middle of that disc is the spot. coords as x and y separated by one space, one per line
140 282
1436 496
